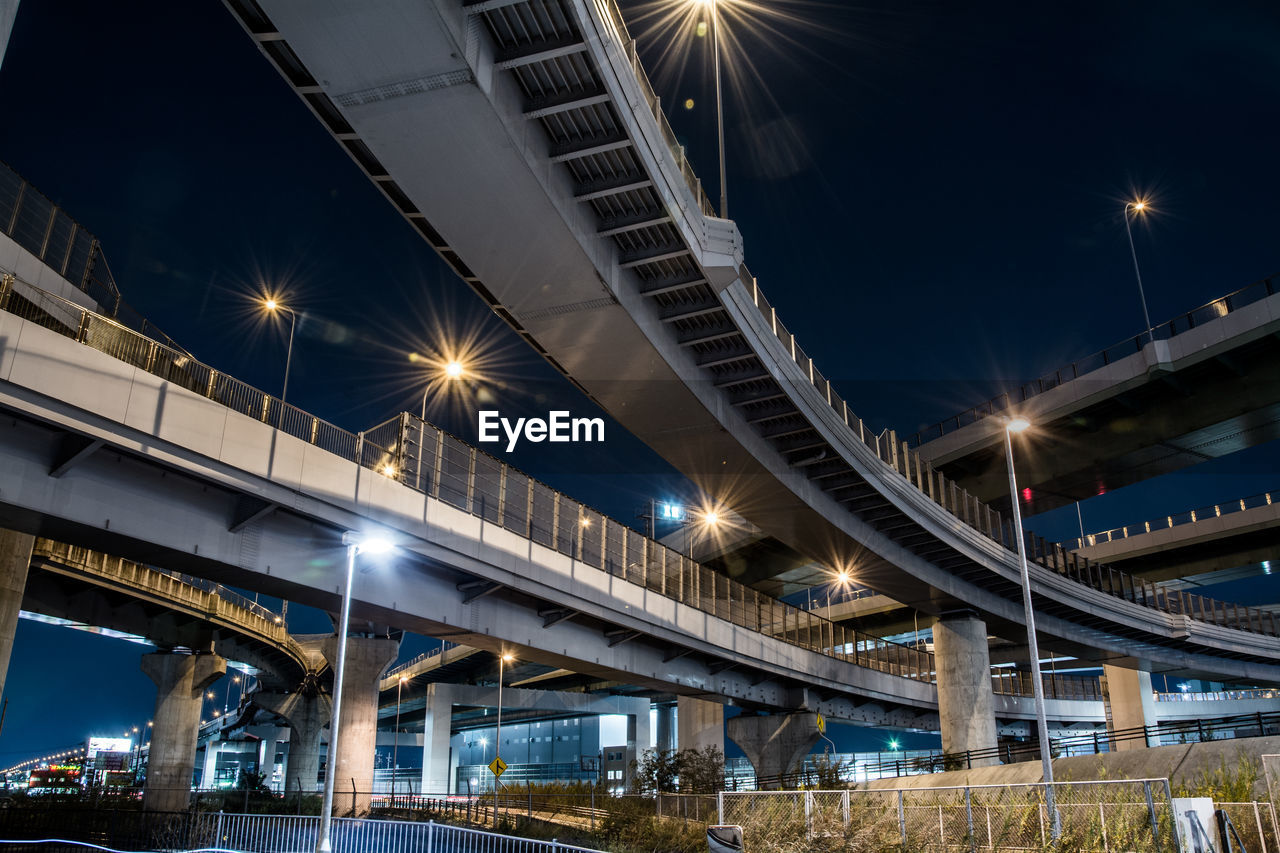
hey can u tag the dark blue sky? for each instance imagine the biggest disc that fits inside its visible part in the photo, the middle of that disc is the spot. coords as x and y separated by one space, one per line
930 194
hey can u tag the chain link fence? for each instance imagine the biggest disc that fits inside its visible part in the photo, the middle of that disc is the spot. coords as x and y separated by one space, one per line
1128 815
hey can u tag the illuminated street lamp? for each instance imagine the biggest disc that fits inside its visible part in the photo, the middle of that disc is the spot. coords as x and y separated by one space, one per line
453 370
503 659
356 544
272 305
714 5
1019 425
1138 207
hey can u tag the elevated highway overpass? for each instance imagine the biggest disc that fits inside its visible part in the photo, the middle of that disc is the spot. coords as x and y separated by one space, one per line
522 140
1210 544
1202 385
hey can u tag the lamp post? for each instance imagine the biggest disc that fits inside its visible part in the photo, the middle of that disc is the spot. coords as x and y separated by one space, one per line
715 49
273 306
452 370
395 749
503 659
1018 425
356 544
1137 207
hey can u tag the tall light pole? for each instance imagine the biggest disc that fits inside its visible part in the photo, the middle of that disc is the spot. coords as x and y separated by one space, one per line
356 544
1011 426
715 48
503 659
1137 207
274 305
395 749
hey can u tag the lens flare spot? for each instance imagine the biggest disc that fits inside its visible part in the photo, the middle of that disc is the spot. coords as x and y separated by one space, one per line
702 29
688 105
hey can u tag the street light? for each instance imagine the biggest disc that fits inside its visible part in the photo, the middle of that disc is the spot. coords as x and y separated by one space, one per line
395 750
273 305
1137 207
714 5
356 544
452 370
1019 425
503 659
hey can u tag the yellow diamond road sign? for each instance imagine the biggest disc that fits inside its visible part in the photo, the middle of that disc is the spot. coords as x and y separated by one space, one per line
498 767
822 725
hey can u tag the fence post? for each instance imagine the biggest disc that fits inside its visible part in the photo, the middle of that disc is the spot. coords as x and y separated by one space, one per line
1151 813
968 814
902 820
845 804
218 838
431 837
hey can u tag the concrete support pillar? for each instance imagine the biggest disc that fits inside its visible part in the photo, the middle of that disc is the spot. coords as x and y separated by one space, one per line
367 659
307 716
776 744
699 723
1131 704
15 560
180 684
966 711
436 775
666 728
8 11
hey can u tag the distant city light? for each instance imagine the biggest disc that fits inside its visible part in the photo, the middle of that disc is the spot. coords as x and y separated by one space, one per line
893 745
672 512
1266 567
1184 687
1026 494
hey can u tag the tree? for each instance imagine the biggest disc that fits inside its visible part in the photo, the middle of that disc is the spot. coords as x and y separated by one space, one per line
655 772
701 770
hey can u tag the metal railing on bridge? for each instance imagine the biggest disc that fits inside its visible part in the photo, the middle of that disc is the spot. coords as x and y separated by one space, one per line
967 509
427 459
1221 307
1192 516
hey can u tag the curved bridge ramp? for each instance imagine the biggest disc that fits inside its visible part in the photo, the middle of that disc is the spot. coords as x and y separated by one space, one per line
523 141
169 609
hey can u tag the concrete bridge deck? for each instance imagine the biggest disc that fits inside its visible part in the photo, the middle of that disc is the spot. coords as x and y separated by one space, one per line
522 140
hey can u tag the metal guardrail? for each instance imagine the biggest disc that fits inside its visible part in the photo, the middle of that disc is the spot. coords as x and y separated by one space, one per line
427 459
1176 520
427 655
1041 554
1220 695
934 761
1221 307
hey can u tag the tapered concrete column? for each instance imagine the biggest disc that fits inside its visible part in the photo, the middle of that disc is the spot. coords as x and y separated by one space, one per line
966 712
1131 703
15 560
367 659
699 723
180 684
775 744
666 728
436 778
307 716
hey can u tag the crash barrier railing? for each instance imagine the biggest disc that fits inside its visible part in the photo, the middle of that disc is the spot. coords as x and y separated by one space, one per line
176 585
1175 731
255 833
427 655
1192 516
1124 815
45 230
427 459
1002 403
1220 695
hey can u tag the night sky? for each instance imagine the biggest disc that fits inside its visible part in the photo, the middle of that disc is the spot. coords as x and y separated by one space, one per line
930 194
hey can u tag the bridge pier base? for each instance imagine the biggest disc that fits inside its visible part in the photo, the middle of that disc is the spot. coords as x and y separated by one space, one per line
307 716
436 778
180 684
1132 704
15 560
699 723
665 719
966 709
775 744
367 659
